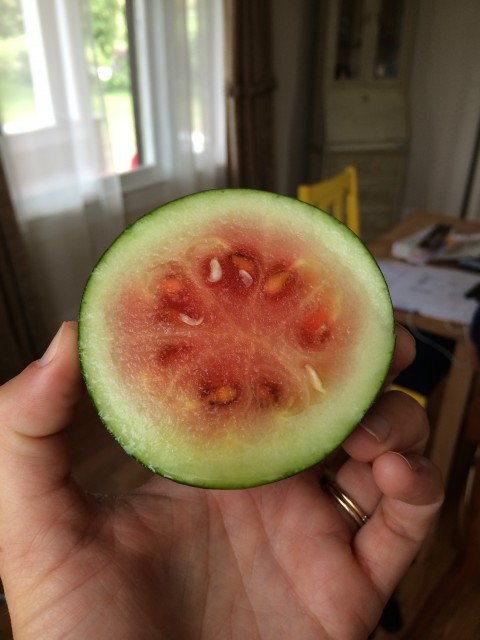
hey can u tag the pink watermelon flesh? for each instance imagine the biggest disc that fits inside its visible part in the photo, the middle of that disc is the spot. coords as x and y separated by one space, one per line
244 330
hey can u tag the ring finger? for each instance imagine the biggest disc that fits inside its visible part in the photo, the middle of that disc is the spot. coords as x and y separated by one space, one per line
396 423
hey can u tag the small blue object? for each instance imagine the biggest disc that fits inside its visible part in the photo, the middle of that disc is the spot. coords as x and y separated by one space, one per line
470 263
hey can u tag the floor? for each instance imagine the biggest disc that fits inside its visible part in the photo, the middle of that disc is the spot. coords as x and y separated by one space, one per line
101 466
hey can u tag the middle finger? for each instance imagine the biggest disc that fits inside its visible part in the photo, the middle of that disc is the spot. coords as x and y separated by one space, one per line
395 423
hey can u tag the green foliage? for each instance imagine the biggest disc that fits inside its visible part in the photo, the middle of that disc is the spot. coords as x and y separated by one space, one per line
14 61
111 41
14 64
105 26
11 19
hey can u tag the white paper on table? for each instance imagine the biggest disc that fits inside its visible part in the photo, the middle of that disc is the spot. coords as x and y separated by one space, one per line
431 291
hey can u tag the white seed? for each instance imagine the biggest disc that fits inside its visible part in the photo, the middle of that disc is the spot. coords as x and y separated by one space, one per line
215 271
246 277
314 378
192 322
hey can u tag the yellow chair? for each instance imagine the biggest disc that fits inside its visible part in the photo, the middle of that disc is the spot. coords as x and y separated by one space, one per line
337 195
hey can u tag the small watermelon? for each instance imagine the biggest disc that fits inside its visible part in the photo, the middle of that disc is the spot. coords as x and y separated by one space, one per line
234 337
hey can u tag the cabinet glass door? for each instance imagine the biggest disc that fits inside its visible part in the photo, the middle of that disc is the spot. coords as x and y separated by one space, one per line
348 62
386 63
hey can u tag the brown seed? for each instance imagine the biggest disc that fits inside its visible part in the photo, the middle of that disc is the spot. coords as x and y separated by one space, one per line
277 282
171 286
220 396
315 329
242 263
267 394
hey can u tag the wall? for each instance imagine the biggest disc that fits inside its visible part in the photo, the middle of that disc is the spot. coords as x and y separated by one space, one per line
445 106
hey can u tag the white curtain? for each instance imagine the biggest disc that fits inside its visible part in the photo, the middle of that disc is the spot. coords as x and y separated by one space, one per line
69 202
180 75
191 79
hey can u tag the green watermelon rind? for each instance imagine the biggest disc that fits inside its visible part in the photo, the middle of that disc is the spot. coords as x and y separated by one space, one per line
204 207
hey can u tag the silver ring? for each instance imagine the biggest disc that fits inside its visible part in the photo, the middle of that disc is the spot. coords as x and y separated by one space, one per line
348 505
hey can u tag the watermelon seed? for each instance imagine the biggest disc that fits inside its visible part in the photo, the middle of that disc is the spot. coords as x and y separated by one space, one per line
171 288
276 283
243 263
192 322
314 378
215 271
220 396
246 277
267 394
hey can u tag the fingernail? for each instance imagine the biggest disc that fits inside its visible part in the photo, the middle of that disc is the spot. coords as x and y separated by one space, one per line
414 462
377 426
52 348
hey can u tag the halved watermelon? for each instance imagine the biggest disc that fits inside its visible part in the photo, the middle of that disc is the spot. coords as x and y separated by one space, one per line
234 337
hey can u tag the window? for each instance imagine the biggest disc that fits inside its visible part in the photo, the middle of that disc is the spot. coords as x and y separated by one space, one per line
149 73
25 97
112 55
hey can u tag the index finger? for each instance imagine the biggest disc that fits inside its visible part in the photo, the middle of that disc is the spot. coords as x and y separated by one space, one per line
404 353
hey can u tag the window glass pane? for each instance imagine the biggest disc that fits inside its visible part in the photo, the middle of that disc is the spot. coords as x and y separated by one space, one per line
390 23
349 40
193 26
17 100
113 69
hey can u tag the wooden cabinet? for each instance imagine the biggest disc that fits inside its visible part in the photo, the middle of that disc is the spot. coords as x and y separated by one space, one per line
361 101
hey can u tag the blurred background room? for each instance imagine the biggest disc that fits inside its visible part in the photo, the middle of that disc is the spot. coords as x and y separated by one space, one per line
109 108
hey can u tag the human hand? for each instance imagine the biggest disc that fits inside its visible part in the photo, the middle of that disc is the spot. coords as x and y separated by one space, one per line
171 561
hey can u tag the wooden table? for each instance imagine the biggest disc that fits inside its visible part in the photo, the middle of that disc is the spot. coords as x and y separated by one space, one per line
461 375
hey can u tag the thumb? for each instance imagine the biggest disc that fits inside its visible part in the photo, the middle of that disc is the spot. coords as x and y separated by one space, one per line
34 408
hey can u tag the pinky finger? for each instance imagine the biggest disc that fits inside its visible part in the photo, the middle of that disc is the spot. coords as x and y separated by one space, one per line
412 491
